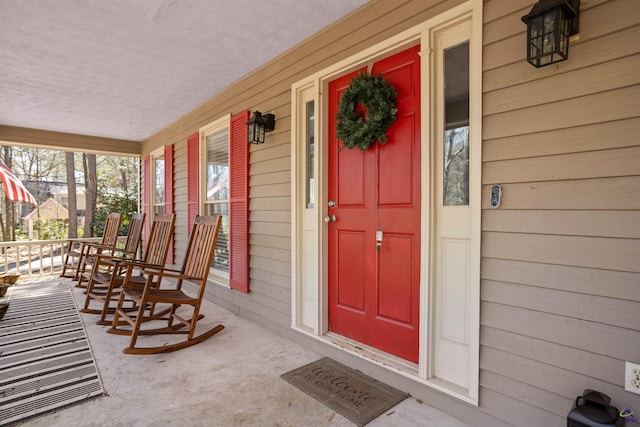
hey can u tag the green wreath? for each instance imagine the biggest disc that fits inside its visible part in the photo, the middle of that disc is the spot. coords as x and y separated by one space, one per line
352 127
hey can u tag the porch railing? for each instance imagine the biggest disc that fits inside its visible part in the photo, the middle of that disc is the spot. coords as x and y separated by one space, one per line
35 258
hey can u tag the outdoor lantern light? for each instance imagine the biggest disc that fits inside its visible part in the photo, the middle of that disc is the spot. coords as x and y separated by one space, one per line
550 23
258 125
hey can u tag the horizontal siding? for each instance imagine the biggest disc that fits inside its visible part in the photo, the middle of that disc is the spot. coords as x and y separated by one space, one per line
605 310
587 194
571 166
277 177
270 190
597 338
592 137
550 383
277 242
553 354
536 398
273 216
560 269
181 235
623 72
594 223
589 281
611 105
514 408
551 380
595 252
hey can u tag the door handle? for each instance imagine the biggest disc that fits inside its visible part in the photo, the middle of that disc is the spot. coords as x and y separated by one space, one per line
330 218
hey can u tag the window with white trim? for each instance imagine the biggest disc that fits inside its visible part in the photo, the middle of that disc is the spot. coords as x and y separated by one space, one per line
157 179
215 188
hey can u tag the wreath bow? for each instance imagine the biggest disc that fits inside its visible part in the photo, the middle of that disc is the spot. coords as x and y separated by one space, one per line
378 98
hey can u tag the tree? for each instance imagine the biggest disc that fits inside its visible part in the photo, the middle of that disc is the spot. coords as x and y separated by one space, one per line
113 200
44 171
71 189
456 166
37 167
91 184
119 173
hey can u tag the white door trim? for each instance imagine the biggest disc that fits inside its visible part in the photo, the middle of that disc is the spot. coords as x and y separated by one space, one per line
309 260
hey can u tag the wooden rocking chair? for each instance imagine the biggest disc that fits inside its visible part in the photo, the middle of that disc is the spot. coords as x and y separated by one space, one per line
109 271
129 250
195 269
78 248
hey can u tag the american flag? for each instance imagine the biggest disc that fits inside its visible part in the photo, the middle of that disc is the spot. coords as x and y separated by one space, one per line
13 186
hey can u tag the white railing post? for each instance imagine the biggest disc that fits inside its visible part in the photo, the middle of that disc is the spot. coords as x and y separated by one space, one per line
40 257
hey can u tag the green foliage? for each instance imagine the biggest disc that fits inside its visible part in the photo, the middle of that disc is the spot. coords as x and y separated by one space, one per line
355 129
20 232
50 228
115 201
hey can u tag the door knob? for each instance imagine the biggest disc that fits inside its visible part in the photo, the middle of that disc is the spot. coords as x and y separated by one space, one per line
330 218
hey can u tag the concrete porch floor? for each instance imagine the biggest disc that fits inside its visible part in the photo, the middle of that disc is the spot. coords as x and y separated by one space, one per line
231 379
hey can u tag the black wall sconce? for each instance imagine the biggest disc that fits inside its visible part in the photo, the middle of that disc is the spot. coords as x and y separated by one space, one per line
258 125
550 23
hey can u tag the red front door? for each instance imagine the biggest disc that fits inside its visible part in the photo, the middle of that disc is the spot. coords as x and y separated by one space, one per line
374 291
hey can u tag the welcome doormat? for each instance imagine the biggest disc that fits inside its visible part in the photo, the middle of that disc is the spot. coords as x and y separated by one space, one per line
45 359
348 392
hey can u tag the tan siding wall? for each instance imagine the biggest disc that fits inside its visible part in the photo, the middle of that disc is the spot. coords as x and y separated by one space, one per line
181 234
560 271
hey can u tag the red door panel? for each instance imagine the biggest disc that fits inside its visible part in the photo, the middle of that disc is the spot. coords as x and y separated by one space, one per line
395 279
351 246
397 188
374 291
351 179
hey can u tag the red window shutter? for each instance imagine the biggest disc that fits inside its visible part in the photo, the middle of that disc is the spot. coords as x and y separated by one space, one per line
168 191
193 179
146 194
239 203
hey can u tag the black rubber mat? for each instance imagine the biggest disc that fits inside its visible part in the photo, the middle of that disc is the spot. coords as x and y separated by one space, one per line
45 359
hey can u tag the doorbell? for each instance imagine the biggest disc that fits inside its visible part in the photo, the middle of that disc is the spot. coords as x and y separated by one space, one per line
496 194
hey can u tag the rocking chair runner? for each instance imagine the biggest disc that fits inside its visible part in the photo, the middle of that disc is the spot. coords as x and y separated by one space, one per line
74 257
129 250
104 286
195 270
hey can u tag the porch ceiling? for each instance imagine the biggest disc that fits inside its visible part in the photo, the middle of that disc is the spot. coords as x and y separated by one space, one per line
126 69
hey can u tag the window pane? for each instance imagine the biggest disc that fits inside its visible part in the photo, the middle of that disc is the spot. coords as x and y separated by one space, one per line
456 134
217 197
218 166
221 255
310 147
159 180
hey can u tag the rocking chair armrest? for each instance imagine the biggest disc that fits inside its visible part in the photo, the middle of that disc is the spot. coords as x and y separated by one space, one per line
89 248
98 245
167 272
141 264
111 259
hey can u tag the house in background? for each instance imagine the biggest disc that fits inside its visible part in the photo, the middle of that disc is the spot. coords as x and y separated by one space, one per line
498 313
54 206
45 190
50 209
